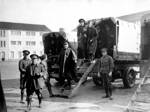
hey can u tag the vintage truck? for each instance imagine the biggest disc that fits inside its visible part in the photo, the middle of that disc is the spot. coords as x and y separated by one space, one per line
120 37
123 42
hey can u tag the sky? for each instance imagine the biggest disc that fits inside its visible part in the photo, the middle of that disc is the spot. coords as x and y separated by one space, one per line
65 13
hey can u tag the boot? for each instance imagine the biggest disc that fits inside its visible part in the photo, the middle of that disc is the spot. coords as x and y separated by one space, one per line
28 105
40 101
22 94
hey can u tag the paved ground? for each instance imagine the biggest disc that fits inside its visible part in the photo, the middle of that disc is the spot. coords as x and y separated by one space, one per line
89 98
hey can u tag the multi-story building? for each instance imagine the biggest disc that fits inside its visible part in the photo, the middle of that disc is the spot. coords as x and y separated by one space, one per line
16 37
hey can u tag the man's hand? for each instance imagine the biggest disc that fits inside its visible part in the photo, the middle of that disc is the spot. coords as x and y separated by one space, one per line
110 74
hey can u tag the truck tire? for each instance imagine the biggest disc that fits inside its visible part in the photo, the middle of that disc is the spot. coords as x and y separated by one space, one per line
129 78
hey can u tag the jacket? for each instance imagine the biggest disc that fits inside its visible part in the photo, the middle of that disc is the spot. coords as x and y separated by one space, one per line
34 75
106 64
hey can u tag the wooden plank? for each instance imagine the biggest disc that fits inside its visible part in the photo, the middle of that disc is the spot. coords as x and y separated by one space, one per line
83 78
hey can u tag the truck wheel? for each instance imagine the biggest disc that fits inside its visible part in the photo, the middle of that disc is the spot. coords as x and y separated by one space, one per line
97 81
129 78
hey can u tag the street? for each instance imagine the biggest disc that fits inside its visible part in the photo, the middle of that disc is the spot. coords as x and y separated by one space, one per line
88 99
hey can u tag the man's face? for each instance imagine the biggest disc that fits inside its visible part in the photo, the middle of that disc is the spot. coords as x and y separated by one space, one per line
90 24
104 53
66 46
35 61
25 55
82 23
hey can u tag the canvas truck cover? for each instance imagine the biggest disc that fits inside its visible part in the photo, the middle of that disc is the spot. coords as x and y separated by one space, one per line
128 37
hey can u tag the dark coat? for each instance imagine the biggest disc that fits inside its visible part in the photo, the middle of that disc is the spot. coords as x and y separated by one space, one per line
23 63
34 75
67 61
106 64
3 107
91 40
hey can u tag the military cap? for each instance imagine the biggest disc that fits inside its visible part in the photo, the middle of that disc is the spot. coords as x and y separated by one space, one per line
81 20
34 56
104 49
26 52
43 57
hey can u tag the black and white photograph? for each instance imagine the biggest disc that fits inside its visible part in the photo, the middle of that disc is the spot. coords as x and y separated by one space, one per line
74 55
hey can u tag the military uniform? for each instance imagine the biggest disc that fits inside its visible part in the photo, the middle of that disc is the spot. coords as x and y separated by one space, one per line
91 42
35 82
67 63
106 66
82 41
23 63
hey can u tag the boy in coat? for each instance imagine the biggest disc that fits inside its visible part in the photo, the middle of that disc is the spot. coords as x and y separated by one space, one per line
34 73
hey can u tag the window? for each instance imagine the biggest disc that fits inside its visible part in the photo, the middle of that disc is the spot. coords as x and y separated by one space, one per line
33 43
2 43
30 43
16 32
13 42
12 54
19 54
19 42
2 54
30 33
41 33
2 33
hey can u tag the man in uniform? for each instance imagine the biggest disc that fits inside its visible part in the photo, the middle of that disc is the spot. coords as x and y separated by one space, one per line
82 41
23 63
67 62
106 69
46 76
91 40
34 73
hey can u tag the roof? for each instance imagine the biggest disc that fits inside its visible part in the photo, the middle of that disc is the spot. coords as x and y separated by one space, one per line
23 26
134 17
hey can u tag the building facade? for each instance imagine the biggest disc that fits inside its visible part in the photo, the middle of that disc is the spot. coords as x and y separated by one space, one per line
16 37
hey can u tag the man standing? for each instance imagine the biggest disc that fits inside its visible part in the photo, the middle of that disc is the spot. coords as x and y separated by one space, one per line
23 63
82 41
46 76
91 40
34 73
106 69
67 62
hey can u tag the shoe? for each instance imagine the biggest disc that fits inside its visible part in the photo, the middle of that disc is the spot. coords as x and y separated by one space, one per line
22 102
105 96
40 106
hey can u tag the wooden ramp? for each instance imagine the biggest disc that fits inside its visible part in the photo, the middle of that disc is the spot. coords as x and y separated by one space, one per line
83 78
140 101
